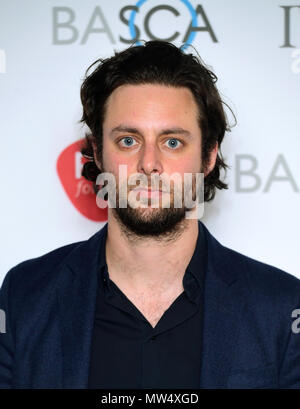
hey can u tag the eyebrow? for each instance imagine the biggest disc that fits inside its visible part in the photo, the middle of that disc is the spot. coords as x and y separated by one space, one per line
167 131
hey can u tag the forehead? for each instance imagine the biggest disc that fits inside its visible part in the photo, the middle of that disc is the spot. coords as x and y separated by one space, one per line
150 104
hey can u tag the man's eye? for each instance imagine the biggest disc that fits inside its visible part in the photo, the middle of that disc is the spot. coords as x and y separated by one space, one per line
127 141
173 143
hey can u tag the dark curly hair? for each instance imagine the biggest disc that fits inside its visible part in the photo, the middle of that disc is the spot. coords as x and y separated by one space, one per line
155 62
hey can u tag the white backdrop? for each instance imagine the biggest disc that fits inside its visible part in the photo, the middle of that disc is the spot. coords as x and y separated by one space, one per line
252 46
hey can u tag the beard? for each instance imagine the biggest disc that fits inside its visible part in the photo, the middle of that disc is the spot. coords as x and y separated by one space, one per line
151 222
159 223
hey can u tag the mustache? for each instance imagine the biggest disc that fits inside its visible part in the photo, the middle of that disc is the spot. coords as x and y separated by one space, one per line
155 183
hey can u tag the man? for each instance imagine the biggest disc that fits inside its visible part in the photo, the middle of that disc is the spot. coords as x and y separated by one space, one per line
152 300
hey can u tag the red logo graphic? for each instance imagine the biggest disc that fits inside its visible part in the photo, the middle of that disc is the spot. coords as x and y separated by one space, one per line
78 189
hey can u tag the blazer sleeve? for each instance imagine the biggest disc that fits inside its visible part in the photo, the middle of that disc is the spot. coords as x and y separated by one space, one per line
289 376
6 337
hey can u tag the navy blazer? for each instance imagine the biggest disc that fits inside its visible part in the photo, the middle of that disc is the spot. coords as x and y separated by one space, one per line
49 303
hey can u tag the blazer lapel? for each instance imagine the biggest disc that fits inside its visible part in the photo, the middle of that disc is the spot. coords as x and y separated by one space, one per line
223 305
77 291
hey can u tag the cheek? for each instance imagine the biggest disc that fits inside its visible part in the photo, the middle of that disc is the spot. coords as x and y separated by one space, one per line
187 165
113 161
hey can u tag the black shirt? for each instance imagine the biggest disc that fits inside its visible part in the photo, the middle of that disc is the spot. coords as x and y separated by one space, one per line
127 352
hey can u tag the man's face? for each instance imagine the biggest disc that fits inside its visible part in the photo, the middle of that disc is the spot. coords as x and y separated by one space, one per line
152 129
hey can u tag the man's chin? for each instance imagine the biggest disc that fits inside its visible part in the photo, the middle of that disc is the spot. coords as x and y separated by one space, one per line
150 221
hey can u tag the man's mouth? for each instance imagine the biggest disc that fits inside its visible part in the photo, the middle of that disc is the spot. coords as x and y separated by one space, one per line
148 192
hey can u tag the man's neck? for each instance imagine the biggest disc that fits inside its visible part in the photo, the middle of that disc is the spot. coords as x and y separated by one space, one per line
146 265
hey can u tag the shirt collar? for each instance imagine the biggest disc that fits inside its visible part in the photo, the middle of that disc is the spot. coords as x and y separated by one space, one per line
103 273
197 264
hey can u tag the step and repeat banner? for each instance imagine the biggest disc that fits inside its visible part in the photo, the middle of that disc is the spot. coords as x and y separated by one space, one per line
46 46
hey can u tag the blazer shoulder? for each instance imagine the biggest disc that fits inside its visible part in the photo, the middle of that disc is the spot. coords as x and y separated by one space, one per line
41 272
238 265
48 260
38 270
263 277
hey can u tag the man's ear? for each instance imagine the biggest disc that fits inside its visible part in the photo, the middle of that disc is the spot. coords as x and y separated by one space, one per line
95 151
212 159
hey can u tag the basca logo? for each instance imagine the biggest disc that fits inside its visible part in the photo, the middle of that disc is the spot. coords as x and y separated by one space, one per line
78 189
290 23
174 21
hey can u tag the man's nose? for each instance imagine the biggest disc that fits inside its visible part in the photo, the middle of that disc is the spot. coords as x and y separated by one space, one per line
150 160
